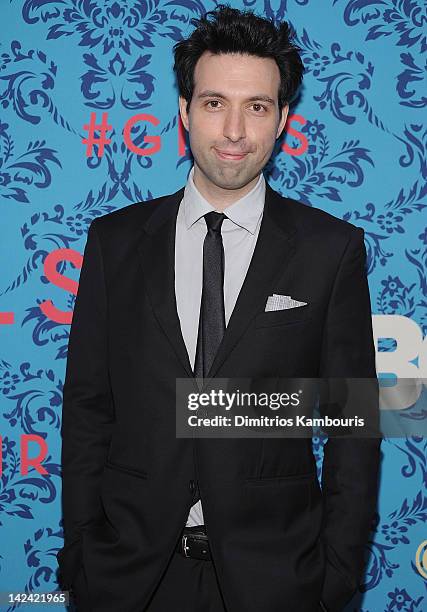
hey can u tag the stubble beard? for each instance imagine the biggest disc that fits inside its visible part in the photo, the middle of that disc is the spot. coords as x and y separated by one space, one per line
228 177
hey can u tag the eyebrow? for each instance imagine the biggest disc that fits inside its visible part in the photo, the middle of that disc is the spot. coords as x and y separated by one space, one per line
216 94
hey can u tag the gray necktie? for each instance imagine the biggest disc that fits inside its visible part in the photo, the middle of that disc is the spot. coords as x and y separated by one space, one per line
212 310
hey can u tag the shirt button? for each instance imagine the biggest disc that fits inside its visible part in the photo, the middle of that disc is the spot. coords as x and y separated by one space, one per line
192 486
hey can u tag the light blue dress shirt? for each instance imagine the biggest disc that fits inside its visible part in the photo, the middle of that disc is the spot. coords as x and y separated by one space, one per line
239 235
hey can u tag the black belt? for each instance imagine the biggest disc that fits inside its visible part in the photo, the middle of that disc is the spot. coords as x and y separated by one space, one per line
194 543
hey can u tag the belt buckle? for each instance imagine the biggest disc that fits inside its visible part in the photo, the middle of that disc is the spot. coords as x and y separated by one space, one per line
184 545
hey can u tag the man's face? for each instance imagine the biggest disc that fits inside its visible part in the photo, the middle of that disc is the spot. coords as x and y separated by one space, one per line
234 118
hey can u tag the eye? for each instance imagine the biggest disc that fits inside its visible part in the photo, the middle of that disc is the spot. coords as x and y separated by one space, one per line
214 102
258 107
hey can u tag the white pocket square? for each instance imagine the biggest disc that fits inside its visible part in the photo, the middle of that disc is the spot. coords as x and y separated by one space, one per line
282 302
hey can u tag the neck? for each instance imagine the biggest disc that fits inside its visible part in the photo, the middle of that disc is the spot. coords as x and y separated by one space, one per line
218 197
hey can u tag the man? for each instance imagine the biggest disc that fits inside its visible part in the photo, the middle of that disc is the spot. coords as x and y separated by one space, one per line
177 288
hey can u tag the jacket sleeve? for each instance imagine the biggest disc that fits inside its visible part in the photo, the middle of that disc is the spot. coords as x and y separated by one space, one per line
87 409
351 464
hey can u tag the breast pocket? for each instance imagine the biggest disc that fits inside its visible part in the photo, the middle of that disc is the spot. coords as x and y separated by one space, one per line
287 316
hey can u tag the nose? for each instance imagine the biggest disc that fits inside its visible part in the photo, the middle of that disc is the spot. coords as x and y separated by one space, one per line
234 125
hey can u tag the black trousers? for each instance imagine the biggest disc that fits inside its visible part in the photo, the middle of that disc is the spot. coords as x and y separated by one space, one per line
188 585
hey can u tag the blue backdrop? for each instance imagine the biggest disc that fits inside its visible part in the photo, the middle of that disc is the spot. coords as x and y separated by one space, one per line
354 146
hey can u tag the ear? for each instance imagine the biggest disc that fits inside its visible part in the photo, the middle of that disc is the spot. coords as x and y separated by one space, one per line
282 123
183 112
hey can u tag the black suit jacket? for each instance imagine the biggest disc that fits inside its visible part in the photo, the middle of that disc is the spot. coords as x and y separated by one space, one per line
278 542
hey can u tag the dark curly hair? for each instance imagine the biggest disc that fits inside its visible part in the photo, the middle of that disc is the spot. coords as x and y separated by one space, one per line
233 31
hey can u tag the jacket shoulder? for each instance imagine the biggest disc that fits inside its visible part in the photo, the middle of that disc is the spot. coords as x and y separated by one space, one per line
310 217
312 222
133 216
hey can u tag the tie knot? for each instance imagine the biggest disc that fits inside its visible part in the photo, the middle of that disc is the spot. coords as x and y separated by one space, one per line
214 220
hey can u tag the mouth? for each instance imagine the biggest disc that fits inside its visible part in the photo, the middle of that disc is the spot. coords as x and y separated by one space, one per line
230 156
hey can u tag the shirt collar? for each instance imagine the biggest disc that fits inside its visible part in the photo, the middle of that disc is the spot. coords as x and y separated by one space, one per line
245 212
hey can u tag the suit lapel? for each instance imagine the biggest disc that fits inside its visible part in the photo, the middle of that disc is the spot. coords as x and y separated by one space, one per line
273 251
157 252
